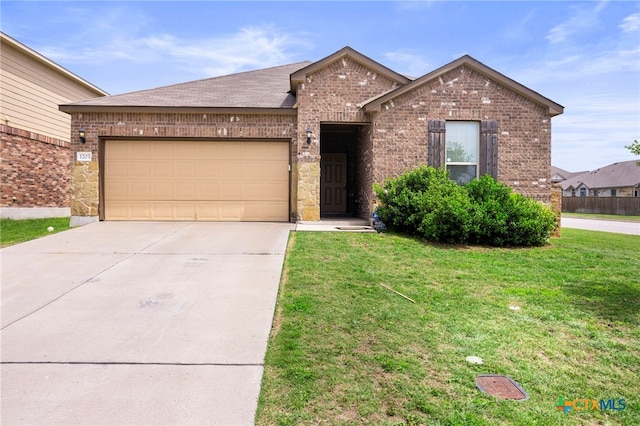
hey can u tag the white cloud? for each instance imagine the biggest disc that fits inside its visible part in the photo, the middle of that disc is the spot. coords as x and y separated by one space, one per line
583 19
408 62
249 47
631 23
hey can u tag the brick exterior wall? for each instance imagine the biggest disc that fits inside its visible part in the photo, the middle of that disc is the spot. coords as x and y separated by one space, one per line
364 156
100 126
34 169
400 130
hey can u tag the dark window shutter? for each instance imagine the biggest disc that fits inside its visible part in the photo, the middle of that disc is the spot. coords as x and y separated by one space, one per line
436 145
488 161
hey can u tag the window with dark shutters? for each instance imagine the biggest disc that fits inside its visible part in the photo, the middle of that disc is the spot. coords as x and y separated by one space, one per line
436 144
487 150
488 161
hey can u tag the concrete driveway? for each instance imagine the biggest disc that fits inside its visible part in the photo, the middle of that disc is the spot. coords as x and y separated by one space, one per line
139 323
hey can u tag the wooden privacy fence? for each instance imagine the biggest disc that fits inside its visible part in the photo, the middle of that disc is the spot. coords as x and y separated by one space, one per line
629 206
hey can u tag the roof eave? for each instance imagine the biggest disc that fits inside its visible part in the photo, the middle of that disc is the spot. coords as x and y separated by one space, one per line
72 108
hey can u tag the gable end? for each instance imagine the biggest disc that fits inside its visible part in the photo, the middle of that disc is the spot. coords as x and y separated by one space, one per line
552 108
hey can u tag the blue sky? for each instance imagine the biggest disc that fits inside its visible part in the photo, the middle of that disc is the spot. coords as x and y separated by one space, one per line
582 55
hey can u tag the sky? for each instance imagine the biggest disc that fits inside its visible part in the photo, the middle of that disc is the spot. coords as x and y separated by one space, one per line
583 55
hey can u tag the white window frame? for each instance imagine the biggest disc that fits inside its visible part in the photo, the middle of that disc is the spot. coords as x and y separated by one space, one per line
448 132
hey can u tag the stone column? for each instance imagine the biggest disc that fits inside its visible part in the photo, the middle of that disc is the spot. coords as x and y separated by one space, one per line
308 191
84 192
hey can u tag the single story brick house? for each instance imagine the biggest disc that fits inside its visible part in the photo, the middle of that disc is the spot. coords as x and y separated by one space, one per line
302 141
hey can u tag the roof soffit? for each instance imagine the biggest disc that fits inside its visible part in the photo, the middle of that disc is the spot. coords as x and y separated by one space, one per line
299 76
553 108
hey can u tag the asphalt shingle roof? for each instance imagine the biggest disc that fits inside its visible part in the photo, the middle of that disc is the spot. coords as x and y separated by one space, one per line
264 88
616 175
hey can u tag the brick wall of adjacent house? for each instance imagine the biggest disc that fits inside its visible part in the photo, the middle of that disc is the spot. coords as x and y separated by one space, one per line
104 125
34 169
331 95
400 130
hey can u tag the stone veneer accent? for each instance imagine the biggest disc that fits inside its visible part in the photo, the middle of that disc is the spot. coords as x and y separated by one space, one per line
34 170
84 188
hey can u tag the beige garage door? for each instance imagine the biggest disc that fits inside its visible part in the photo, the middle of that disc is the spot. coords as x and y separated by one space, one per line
196 180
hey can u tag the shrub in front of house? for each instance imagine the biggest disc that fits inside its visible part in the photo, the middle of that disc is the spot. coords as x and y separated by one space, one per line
426 202
501 217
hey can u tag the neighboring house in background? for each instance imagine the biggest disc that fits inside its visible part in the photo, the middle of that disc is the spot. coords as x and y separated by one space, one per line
615 180
35 166
560 175
302 141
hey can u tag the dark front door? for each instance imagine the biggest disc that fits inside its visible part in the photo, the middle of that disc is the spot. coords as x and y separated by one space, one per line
333 184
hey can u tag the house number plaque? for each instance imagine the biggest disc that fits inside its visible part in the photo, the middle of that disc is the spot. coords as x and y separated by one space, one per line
83 156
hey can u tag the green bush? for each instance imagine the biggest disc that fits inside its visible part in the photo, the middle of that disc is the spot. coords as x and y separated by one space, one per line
501 217
426 202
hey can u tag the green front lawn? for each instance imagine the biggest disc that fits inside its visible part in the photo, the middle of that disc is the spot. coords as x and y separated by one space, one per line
346 350
19 231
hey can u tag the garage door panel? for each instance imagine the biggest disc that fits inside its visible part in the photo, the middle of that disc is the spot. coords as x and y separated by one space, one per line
118 169
185 191
207 191
184 170
137 149
230 151
138 211
117 190
208 211
160 150
139 190
230 191
161 190
274 192
161 169
119 210
196 180
184 151
230 211
184 211
138 170
272 171
207 150
206 170
230 171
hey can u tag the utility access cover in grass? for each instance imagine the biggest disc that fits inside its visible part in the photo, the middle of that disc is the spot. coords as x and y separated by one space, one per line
500 386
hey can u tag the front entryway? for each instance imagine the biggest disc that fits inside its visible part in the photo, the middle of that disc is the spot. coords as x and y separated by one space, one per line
333 200
340 157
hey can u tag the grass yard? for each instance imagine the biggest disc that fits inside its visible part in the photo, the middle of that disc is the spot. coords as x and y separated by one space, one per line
346 350
19 231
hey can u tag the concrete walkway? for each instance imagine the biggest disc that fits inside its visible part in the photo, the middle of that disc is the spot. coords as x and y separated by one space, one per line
139 323
616 226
